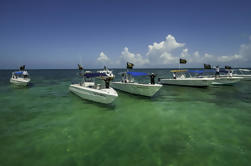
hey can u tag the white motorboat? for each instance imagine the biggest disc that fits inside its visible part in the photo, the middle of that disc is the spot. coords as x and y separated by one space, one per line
182 80
244 73
138 89
88 90
128 85
226 80
20 78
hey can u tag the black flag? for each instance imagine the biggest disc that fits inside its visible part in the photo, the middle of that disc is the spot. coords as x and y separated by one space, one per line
228 67
207 66
22 67
80 67
183 61
129 65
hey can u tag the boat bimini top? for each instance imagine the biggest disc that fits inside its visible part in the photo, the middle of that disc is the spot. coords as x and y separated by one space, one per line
178 71
91 75
192 71
137 73
19 73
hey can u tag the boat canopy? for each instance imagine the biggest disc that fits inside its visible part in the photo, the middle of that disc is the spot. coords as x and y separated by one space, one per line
137 73
88 75
196 71
18 72
224 70
176 71
209 71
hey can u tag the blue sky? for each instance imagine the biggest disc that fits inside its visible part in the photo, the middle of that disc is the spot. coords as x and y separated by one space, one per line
60 34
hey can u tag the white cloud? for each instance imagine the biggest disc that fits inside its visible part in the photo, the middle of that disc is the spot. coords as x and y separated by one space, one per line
103 58
245 50
168 52
165 46
242 57
184 53
232 58
162 52
137 59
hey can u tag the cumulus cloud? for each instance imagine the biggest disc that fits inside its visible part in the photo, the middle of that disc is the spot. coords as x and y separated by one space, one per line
127 56
168 45
184 53
196 57
244 55
167 53
232 58
245 50
103 58
162 52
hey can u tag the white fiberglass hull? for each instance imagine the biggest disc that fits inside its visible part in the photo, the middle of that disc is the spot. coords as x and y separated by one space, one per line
226 80
135 88
245 77
195 82
105 96
20 81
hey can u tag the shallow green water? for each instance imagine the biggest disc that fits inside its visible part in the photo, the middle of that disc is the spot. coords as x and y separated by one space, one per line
45 124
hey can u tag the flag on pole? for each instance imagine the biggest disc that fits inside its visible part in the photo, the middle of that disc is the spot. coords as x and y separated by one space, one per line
183 61
80 67
22 68
228 67
207 66
129 65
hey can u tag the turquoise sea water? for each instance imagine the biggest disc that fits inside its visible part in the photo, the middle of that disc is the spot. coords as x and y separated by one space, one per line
45 124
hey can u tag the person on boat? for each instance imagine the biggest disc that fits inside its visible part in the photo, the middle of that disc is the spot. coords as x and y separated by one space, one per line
107 82
174 75
217 73
230 72
123 77
152 76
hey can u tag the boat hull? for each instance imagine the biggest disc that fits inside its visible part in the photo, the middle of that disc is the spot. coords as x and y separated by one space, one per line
138 89
243 76
19 81
194 82
105 96
226 80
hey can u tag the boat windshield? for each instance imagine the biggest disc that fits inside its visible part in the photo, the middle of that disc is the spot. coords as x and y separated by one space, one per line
126 78
88 79
20 74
